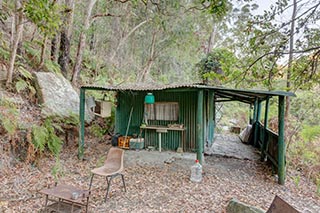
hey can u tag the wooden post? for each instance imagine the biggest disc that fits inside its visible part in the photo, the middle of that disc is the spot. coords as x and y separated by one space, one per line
211 118
81 115
265 138
200 142
281 142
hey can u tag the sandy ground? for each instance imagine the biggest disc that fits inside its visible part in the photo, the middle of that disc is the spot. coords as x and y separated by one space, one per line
152 184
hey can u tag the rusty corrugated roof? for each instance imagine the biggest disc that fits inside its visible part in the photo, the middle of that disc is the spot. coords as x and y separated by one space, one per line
157 87
141 86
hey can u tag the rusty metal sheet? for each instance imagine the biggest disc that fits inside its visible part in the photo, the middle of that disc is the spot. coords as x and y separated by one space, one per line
280 206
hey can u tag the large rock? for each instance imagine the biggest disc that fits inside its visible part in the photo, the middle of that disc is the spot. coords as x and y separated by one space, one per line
57 96
235 206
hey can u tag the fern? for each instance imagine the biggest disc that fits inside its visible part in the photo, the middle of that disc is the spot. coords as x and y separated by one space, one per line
21 85
45 136
54 142
9 125
56 169
40 137
25 73
52 66
9 116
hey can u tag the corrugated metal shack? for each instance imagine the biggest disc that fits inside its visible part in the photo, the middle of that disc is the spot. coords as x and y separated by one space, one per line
183 115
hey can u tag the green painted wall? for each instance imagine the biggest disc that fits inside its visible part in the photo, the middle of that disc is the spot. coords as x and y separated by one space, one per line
170 141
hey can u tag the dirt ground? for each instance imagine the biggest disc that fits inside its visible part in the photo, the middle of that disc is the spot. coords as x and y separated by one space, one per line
152 184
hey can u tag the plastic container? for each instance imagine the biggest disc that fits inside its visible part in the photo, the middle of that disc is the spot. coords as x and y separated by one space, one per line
149 98
196 172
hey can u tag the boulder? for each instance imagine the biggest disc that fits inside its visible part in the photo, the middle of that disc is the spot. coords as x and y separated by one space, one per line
57 96
235 206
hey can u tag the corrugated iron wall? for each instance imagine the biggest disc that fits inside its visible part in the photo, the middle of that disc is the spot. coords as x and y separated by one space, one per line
170 141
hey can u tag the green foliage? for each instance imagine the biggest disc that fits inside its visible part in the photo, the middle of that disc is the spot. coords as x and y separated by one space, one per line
24 82
310 133
57 170
45 14
97 130
306 108
296 180
32 53
52 66
218 64
44 136
4 53
39 137
217 7
9 116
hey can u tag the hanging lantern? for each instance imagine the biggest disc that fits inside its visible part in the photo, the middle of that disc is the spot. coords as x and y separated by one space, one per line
149 98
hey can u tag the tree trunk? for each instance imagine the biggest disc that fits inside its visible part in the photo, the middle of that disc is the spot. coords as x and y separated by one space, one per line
43 51
122 41
212 37
64 53
82 43
54 48
294 13
54 43
147 67
16 36
65 37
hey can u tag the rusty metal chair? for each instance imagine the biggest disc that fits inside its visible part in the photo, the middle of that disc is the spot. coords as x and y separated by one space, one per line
113 167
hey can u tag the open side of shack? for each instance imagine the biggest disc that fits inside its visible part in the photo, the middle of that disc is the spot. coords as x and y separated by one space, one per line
183 116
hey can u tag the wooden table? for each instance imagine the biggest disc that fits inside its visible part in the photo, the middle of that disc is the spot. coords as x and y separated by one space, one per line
165 129
61 199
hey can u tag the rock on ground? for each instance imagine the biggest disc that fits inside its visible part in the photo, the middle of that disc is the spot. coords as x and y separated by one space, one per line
235 206
57 96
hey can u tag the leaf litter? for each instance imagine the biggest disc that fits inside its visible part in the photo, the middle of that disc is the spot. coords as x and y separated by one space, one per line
160 187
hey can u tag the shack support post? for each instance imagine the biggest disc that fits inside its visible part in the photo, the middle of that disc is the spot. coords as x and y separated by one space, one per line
211 118
81 132
281 142
200 138
265 138
256 117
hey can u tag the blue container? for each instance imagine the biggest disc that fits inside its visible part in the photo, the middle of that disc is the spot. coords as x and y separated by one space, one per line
149 99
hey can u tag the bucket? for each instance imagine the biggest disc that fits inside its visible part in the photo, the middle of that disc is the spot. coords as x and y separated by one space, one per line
149 98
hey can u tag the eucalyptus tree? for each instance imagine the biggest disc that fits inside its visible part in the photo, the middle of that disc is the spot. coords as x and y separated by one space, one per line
16 33
145 19
299 42
226 49
43 14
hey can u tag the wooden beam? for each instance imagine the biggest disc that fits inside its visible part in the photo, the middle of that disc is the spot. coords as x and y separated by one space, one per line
200 140
281 142
81 115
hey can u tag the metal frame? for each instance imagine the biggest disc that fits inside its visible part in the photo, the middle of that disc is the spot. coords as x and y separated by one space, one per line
109 178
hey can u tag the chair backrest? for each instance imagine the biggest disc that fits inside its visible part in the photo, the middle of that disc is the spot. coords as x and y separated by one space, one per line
115 158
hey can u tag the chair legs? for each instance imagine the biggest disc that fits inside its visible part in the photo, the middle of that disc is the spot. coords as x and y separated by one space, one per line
124 184
109 179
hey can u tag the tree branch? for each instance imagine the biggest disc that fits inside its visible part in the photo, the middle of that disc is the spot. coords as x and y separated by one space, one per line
93 18
122 41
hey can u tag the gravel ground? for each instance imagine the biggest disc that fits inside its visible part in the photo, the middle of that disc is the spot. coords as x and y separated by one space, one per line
153 186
